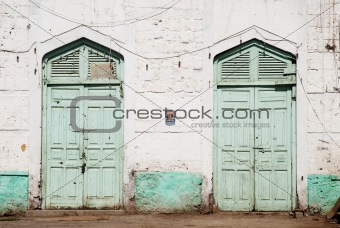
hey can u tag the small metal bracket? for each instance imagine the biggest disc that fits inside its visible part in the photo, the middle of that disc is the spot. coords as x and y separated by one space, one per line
121 89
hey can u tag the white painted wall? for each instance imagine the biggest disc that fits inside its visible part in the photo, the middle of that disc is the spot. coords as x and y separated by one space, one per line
188 25
322 80
14 88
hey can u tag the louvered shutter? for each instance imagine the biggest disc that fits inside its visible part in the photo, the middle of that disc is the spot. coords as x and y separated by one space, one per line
66 66
236 68
270 67
83 64
255 63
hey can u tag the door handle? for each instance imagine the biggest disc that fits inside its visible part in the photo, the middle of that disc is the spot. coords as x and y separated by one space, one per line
83 168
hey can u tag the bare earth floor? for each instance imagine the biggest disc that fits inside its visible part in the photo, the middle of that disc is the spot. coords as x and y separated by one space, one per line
239 220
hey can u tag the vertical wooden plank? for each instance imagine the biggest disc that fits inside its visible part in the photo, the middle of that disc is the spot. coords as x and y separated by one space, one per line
293 148
254 64
83 62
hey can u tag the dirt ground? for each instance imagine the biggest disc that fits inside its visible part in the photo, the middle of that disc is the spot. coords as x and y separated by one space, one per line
239 220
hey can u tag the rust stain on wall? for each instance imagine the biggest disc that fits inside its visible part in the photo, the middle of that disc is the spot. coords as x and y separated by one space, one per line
23 147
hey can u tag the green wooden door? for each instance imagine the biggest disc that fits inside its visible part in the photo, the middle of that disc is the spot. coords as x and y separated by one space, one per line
256 148
82 165
69 184
255 153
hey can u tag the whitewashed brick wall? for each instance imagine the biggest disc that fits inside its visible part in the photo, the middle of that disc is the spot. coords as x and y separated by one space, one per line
322 81
188 25
14 127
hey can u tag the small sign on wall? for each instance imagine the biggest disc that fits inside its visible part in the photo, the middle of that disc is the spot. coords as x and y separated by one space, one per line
169 117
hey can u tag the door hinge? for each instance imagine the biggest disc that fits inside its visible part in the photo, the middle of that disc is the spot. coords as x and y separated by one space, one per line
121 89
294 93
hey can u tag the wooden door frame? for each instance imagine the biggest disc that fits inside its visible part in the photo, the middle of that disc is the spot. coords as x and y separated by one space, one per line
215 174
45 83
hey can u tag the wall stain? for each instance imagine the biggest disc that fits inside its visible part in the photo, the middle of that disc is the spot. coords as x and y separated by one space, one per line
23 147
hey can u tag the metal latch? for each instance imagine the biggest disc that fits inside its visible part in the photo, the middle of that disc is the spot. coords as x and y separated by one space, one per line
84 156
261 149
83 168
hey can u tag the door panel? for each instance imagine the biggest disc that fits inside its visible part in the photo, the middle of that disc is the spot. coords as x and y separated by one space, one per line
102 176
236 160
254 166
64 148
273 163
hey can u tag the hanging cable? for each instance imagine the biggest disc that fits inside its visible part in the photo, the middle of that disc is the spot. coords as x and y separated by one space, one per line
116 23
18 52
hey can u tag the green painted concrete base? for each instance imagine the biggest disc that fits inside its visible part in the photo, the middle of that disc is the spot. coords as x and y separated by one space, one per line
168 191
13 191
323 192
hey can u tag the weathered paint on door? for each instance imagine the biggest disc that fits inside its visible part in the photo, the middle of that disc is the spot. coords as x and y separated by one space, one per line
236 160
254 160
64 149
254 105
102 176
68 150
82 168
273 159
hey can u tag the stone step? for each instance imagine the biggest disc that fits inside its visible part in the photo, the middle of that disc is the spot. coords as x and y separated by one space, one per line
62 213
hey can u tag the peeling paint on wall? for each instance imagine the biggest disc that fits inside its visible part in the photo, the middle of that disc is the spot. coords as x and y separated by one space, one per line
168 191
323 192
13 191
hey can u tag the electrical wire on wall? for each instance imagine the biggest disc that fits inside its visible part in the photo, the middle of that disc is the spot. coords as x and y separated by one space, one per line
18 52
138 19
314 110
149 15
253 27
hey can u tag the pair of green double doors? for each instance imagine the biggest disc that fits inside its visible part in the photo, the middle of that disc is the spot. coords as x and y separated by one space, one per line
82 167
254 154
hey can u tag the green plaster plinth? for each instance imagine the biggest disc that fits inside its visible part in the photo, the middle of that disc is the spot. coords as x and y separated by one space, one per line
168 191
13 191
323 191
